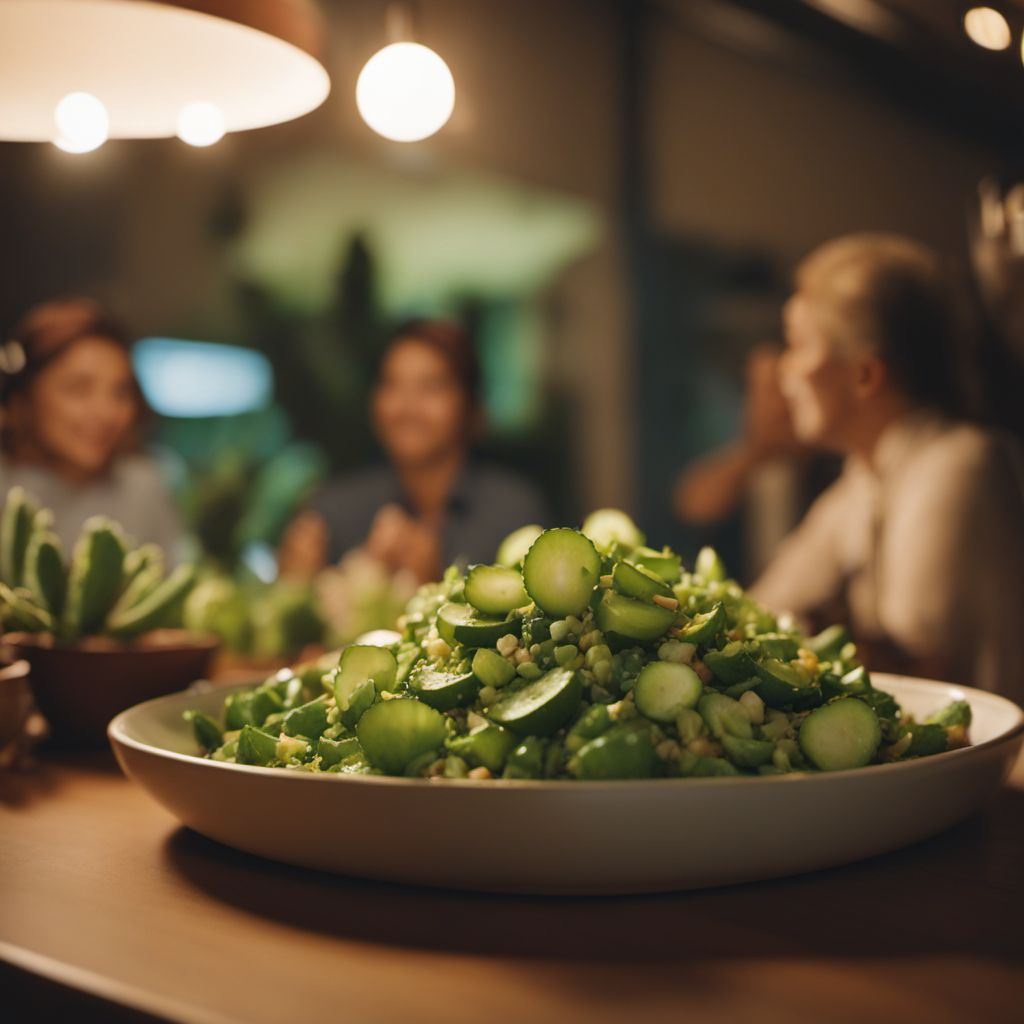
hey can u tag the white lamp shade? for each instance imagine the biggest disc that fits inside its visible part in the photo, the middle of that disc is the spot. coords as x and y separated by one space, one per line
146 61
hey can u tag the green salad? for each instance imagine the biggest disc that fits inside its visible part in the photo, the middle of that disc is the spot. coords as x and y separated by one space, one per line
580 654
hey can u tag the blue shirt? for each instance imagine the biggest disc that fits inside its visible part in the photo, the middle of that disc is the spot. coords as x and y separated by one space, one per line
485 505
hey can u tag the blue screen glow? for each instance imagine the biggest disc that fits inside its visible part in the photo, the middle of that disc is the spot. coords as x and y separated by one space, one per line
199 378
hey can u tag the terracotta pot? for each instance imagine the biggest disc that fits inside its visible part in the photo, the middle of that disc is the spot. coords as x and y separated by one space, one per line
79 688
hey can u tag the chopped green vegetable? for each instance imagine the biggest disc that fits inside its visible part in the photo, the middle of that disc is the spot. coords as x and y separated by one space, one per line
643 671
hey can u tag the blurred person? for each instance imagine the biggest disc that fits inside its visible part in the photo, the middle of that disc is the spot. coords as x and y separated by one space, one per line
432 503
922 536
764 480
71 413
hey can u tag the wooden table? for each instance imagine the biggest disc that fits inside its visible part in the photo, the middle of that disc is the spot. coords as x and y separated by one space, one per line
110 911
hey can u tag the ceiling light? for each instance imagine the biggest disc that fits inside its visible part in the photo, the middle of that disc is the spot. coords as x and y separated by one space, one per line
82 123
987 27
147 61
405 92
200 123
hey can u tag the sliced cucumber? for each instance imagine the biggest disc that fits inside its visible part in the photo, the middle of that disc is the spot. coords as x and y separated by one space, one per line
747 753
927 738
786 686
594 721
306 720
724 716
360 662
488 746
704 626
560 571
294 749
665 564
829 642
459 624
954 715
639 583
665 688
256 746
620 753
733 663
709 566
208 733
395 732
491 669
541 707
526 760
443 690
335 751
250 707
358 702
779 646
609 526
495 589
843 734
630 619
513 548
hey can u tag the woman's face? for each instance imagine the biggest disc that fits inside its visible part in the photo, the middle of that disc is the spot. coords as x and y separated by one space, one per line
419 409
818 380
83 404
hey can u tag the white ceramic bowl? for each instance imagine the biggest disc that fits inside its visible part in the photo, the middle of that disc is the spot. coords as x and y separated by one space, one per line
571 837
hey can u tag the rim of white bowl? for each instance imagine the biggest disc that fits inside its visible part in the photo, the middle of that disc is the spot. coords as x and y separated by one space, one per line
117 735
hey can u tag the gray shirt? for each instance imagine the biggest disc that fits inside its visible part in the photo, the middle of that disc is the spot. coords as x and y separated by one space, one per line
133 493
485 505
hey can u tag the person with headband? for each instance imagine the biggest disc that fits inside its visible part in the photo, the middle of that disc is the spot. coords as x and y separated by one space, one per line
71 414
431 504
920 542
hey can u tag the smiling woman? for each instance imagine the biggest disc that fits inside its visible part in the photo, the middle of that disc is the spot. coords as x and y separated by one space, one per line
432 504
69 432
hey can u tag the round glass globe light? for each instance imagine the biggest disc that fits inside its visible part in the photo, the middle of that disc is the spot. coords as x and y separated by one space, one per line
82 123
405 92
201 123
988 28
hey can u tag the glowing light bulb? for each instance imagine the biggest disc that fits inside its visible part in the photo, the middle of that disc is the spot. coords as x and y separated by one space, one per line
82 123
987 27
200 123
405 92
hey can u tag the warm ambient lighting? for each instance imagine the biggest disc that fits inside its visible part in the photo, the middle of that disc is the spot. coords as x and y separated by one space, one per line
82 123
256 62
200 124
987 27
405 92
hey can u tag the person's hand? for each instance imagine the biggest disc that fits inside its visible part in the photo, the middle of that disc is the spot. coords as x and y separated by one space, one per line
401 542
767 427
303 550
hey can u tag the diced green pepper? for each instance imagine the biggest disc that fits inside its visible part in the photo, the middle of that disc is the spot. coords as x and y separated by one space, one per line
307 719
207 731
256 746
527 760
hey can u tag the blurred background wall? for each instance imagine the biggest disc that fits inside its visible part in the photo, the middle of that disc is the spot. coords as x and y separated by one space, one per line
616 206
